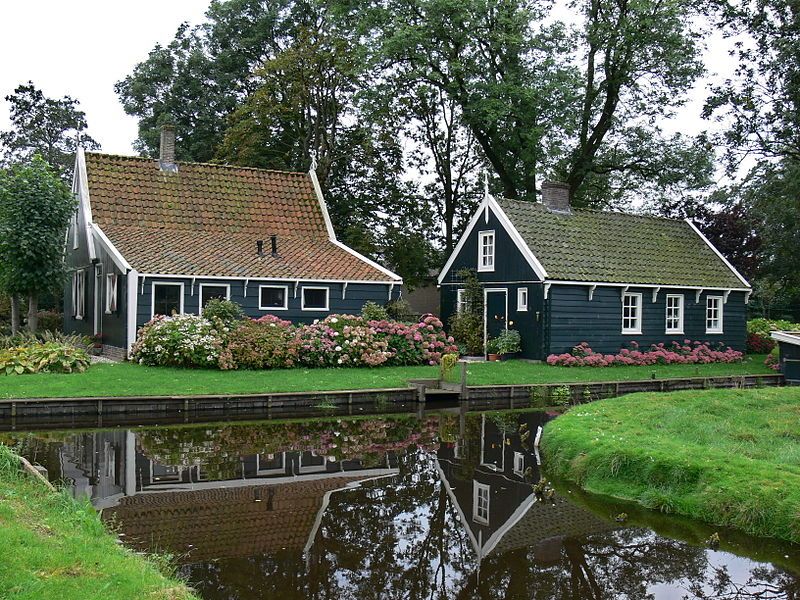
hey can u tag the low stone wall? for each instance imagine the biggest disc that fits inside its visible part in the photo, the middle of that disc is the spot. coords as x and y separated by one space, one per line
114 353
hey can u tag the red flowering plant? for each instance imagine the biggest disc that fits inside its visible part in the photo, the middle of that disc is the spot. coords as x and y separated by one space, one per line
688 352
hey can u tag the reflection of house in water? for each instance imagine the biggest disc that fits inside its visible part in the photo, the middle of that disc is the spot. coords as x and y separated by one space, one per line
490 481
274 502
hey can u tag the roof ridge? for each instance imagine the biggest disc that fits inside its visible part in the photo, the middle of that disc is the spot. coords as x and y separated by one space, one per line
202 164
596 210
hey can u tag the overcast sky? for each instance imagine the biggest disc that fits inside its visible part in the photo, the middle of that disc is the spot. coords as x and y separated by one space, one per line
81 48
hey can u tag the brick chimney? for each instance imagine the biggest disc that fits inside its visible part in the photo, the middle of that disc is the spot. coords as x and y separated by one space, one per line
555 196
166 157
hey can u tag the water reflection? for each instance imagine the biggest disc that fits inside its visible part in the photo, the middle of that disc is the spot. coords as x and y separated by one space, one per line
392 507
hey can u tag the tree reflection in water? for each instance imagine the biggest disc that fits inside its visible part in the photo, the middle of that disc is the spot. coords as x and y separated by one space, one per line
387 508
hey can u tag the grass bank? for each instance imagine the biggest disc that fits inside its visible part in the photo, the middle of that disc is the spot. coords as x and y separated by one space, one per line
127 379
54 548
727 457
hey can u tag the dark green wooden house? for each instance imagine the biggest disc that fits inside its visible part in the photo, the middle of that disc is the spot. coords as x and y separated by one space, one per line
561 276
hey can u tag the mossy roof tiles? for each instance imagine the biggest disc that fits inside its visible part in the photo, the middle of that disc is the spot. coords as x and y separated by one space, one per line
613 247
205 219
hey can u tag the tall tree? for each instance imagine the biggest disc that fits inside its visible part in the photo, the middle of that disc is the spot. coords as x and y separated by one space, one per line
534 107
50 127
35 210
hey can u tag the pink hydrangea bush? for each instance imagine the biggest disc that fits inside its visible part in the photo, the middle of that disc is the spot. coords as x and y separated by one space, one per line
419 343
686 353
339 341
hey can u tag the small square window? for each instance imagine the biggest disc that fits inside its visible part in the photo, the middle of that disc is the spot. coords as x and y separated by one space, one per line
273 297
167 299
486 245
631 313
522 299
480 503
79 294
714 314
315 298
461 302
519 463
213 292
674 322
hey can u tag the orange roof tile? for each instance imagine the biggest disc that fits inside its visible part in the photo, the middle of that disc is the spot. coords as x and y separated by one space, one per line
204 220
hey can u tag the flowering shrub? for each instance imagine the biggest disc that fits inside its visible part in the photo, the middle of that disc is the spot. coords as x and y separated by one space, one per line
260 344
773 360
339 341
419 343
759 339
179 341
658 354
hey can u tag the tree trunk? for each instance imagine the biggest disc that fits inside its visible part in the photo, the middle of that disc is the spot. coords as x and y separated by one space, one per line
33 312
14 314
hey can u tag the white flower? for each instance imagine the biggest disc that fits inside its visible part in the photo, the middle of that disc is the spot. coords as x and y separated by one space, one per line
338 348
334 320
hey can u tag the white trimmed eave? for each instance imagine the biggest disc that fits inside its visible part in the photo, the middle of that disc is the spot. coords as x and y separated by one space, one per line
597 284
489 203
116 256
250 279
81 181
394 277
786 337
719 254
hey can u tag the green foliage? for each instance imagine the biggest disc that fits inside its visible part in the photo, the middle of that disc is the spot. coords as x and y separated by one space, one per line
50 357
50 320
372 311
400 310
492 346
728 457
509 341
561 396
35 210
447 366
467 326
26 338
44 126
764 327
226 312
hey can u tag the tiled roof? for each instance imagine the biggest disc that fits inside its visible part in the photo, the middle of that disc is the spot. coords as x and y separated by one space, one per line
225 522
611 247
204 220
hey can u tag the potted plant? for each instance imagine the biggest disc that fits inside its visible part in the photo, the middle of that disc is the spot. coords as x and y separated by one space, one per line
509 343
492 350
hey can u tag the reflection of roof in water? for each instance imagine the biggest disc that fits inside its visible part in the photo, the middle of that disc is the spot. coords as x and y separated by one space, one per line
228 522
544 521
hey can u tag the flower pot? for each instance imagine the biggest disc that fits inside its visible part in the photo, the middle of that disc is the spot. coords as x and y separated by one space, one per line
492 357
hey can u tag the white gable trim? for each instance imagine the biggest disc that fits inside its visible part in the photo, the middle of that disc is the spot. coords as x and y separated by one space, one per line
80 185
489 203
119 260
717 252
332 234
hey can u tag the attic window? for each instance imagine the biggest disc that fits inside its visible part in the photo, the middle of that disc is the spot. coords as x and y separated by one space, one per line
75 237
631 313
522 299
486 251
78 294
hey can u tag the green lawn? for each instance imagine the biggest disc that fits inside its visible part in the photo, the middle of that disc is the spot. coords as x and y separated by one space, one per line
55 548
727 457
126 379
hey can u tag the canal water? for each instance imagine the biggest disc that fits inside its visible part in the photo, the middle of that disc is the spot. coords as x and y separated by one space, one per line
438 505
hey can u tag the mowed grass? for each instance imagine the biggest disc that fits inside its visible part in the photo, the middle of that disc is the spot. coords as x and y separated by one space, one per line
129 379
727 457
54 548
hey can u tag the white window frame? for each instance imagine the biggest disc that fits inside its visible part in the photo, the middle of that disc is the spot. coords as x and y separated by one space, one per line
315 287
75 237
519 463
153 295
637 328
79 294
719 301
679 329
480 515
227 287
112 295
522 299
285 289
482 237
461 304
